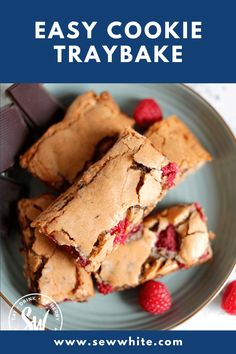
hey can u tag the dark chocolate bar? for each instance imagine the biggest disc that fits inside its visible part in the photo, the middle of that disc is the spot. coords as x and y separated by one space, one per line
13 135
39 107
9 194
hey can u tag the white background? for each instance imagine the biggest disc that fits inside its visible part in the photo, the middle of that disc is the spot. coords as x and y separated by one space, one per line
223 99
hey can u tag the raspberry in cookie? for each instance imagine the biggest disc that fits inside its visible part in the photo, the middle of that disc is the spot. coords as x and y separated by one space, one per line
168 239
104 288
170 172
200 211
120 231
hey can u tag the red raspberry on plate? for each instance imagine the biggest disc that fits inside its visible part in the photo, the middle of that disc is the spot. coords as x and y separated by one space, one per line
229 298
147 112
154 297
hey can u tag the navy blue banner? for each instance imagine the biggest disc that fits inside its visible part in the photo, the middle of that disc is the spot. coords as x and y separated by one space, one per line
147 41
118 341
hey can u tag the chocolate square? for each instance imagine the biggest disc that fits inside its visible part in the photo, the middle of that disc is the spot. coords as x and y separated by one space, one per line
9 194
13 135
40 107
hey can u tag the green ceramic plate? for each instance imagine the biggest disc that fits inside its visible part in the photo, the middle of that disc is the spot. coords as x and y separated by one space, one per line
213 186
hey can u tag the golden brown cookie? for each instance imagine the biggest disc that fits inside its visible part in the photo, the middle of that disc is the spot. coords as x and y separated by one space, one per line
175 140
90 127
173 239
48 269
109 201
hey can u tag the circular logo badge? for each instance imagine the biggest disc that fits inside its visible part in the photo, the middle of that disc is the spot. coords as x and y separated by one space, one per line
34 318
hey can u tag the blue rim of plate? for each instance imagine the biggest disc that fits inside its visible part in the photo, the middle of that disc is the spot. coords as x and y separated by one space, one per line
220 287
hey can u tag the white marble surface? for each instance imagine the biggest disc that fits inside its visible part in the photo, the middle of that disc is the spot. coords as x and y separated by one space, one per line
212 317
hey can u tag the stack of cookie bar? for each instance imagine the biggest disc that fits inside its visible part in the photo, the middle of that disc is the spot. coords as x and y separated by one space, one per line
109 179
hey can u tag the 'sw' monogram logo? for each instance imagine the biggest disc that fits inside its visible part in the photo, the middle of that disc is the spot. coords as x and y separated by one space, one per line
34 324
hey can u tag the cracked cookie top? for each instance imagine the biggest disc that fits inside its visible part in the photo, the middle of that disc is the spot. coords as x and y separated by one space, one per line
88 130
175 140
48 269
170 240
125 184
182 240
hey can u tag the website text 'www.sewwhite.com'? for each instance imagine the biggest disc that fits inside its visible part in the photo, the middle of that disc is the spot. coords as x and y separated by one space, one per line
130 342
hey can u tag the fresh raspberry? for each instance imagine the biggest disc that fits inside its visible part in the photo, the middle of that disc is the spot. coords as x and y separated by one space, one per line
229 298
104 288
120 231
200 211
147 112
170 171
154 297
168 239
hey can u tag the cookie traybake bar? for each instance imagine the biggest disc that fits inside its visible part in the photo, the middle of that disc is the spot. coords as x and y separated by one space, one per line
174 139
176 238
48 269
89 128
109 201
